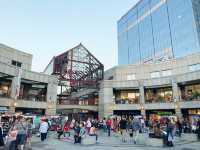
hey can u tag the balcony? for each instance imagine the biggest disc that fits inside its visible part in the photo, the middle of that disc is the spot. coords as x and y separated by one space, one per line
5 86
31 91
190 92
130 96
158 95
127 101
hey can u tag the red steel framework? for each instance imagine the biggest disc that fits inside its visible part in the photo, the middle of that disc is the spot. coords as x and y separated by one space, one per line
79 67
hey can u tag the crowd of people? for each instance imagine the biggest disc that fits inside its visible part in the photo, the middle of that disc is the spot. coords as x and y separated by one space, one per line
128 127
20 129
19 133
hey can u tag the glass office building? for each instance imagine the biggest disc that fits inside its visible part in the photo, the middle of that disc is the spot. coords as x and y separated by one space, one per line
158 30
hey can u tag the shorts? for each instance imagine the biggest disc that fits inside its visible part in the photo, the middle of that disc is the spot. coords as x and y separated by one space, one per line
21 138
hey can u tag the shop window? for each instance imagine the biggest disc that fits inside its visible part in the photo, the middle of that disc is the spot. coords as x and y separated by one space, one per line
190 92
160 95
166 73
194 67
131 77
155 74
127 96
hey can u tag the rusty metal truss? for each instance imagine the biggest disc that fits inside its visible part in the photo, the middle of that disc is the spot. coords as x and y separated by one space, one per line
79 68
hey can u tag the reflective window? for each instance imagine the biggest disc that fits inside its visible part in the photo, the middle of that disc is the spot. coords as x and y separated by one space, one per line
183 30
161 33
145 34
159 30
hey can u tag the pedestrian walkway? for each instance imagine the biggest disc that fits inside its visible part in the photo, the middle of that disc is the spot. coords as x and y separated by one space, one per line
104 141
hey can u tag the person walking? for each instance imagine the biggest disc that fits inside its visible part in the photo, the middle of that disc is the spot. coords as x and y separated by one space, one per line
179 127
43 129
29 131
170 129
136 128
104 125
109 124
21 128
123 127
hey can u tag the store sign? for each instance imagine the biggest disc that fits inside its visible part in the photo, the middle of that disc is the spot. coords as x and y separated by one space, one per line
164 113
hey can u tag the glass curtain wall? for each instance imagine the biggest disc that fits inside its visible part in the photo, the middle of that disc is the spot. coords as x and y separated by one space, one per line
159 30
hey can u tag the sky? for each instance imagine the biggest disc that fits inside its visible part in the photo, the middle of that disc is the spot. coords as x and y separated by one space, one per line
46 28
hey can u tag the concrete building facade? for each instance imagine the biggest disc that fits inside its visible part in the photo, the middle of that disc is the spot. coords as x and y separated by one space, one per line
171 87
22 89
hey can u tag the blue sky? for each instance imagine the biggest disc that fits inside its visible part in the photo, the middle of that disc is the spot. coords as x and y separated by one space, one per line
46 28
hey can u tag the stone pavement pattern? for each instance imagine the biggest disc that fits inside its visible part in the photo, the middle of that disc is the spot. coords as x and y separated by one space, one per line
108 143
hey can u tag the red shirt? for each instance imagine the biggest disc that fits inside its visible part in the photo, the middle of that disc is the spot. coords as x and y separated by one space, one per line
109 122
66 127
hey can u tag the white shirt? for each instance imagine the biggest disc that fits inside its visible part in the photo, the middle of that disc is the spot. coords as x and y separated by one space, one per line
88 124
44 127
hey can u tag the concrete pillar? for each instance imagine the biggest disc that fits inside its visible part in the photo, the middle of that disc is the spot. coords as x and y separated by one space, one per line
14 86
12 109
51 109
16 82
175 89
51 97
106 101
142 96
142 99
176 98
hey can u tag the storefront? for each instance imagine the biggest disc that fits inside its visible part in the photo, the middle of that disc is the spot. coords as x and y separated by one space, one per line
156 115
192 115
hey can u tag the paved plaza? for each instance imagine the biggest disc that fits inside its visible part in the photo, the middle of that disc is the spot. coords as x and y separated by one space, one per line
108 143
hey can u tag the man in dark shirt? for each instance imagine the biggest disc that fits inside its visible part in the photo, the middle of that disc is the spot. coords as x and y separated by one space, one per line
123 127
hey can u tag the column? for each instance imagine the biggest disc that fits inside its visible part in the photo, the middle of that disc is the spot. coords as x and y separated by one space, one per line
175 89
142 99
51 97
14 87
106 103
14 93
176 98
